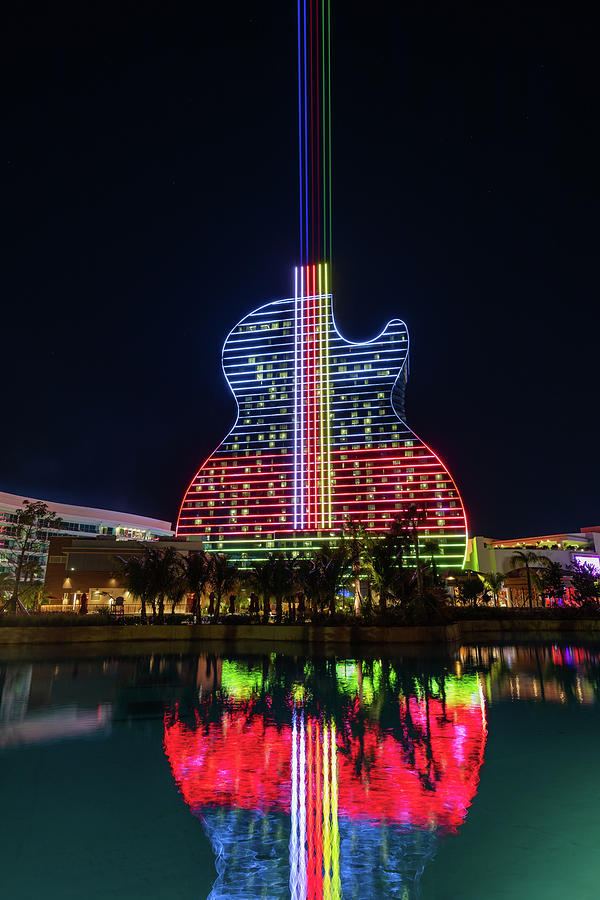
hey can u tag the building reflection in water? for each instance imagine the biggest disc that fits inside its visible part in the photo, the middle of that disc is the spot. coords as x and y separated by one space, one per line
335 784
535 673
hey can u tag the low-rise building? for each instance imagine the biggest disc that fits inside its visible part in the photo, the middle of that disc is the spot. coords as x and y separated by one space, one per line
80 521
95 568
496 555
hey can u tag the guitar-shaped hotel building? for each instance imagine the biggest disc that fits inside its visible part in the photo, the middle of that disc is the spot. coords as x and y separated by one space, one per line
320 436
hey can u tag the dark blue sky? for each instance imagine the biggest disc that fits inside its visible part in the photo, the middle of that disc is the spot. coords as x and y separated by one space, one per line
149 202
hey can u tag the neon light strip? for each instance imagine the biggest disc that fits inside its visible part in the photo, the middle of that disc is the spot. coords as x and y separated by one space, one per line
308 404
305 143
296 398
302 823
322 450
302 421
294 812
326 817
300 125
329 114
315 407
336 883
324 131
328 401
318 810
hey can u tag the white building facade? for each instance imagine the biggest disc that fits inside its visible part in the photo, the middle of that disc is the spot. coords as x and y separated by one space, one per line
76 521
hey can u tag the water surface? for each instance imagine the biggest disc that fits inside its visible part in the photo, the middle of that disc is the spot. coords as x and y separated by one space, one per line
468 775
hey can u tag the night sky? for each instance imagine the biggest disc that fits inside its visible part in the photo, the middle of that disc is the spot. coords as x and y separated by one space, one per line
150 201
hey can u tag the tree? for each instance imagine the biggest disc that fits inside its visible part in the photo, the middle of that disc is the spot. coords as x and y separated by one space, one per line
407 525
332 566
494 582
383 568
260 578
178 586
223 577
138 579
354 538
469 589
308 580
550 581
29 536
163 564
433 549
528 559
586 583
281 581
196 568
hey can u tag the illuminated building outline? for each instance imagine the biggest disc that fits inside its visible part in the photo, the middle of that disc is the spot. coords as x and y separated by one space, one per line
320 436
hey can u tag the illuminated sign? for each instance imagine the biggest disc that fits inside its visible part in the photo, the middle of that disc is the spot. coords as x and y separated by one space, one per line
593 561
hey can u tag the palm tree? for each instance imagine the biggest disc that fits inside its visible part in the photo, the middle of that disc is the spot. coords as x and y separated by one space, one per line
137 579
494 581
281 580
470 588
405 528
383 569
307 578
178 587
354 539
527 559
433 549
223 577
331 565
196 569
261 580
163 564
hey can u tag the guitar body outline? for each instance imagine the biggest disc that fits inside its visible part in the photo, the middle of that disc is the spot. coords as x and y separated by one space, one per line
320 437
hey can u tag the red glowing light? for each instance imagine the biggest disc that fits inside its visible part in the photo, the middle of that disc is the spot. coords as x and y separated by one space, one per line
243 761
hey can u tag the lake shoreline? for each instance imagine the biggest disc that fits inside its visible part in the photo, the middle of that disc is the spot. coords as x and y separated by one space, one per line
318 636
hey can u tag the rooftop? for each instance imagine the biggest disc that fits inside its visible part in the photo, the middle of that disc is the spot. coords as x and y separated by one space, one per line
10 502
